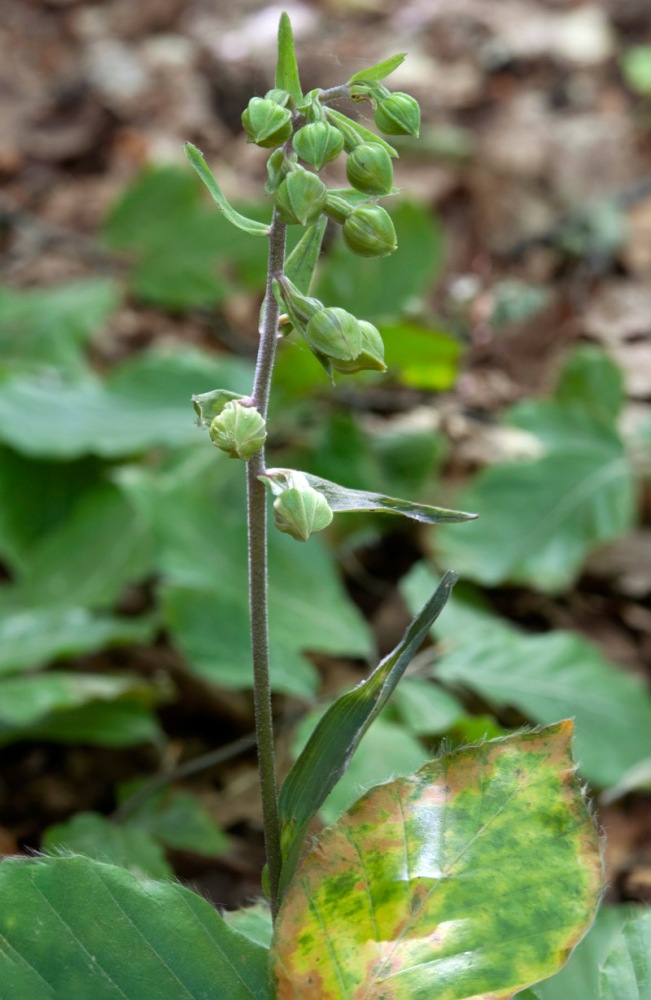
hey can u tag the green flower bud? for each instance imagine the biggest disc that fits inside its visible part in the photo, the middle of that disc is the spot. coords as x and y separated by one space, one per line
369 169
301 198
318 143
337 208
368 231
398 114
279 165
239 430
334 333
371 356
278 96
300 511
267 123
301 308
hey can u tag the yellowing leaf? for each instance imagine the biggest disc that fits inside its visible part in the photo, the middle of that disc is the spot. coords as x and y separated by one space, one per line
468 881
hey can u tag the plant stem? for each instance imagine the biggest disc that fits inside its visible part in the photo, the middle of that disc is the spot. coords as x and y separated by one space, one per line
258 581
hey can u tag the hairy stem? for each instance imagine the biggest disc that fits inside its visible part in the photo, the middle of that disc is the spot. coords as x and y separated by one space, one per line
258 582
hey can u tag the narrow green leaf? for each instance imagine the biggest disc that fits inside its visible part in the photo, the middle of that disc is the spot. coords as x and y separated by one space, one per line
241 221
340 498
626 973
286 68
95 836
379 70
354 133
69 925
473 878
337 735
302 261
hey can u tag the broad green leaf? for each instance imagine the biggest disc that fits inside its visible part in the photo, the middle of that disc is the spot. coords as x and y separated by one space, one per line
249 226
144 403
545 676
51 326
421 357
340 498
337 735
380 290
65 707
425 708
96 837
252 921
286 67
636 779
88 560
578 494
354 133
379 71
181 821
627 970
302 261
473 878
591 381
202 558
69 925
37 637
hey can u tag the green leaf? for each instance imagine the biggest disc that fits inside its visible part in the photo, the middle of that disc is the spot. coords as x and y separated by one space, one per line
91 916
144 403
577 494
286 68
354 133
69 707
592 382
249 226
96 837
627 970
636 67
474 877
180 820
332 744
378 71
425 708
340 498
636 779
545 677
51 326
421 357
202 557
380 290
252 921
34 638
302 261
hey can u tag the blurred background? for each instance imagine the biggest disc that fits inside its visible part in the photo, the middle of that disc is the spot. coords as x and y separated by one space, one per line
516 316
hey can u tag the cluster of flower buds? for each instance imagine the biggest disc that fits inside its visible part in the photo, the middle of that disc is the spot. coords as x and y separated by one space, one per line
339 340
316 135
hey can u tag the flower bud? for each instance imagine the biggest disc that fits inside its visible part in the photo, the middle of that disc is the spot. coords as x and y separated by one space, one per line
301 198
300 512
301 308
239 431
337 208
371 356
334 333
369 169
398 114
368 231
209 405
318 143
267 123
279 165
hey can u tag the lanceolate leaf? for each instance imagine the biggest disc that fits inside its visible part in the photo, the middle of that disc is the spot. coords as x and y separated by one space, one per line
379 71
241 221
626 974
336 737
302 261
471 880
340 498
287 69
75 928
